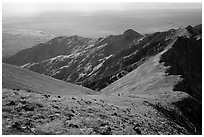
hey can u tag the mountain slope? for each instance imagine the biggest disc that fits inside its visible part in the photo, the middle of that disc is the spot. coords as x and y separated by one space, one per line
76 59
57 46
104 62
175 87
74 45
185 59
14 77
97 64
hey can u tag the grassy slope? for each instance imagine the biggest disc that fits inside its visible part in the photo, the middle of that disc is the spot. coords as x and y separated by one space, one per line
146 79
31 113
151 81
14 77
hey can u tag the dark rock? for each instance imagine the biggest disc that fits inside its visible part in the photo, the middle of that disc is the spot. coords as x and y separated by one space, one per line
137 130
102 101
54 106
23 102
39 105
11 103
17 125
72 111
23 97
88 102
37 117
46 96
103 131
79 102
73 125
107 131
90 110
104 124
28 107
16 93
69 116
52 117
114 114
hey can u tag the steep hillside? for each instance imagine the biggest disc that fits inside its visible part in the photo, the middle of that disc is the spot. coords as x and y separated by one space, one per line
185 59
164 76
129 59
14 41
198 28
14 77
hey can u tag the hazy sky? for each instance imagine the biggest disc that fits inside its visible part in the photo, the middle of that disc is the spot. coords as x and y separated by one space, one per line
99 19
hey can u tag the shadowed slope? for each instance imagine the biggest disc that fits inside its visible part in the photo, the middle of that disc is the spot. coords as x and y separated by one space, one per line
185 58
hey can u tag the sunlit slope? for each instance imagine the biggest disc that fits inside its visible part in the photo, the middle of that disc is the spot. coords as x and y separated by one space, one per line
14 77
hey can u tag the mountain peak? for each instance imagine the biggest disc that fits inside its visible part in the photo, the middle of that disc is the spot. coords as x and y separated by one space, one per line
193 30
189 27
131 32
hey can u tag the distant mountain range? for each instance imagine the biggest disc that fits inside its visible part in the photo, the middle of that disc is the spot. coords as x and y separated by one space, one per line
94 63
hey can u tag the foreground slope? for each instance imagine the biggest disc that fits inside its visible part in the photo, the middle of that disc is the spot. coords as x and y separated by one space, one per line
14 77
31 113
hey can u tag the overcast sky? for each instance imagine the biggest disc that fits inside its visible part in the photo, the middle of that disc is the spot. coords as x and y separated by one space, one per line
99 19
